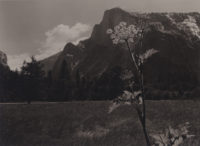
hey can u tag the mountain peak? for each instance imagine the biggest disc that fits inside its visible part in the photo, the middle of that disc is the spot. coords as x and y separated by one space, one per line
110 19
68 47
114 10
114 13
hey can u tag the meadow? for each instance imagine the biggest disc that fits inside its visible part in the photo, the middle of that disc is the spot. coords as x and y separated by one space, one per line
88 123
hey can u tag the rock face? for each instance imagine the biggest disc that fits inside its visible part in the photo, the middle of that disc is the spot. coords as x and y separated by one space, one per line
3 59
175 35
48 63
72 55
4 69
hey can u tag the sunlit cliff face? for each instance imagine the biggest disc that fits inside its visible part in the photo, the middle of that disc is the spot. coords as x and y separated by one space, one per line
3 58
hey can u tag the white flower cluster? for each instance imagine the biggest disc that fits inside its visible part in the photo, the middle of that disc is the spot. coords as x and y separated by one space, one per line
122 33
127 98
172 137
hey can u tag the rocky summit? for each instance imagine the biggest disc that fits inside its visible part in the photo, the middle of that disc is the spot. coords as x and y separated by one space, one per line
175 35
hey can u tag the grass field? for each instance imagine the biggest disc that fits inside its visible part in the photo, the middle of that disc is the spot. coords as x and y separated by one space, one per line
89 124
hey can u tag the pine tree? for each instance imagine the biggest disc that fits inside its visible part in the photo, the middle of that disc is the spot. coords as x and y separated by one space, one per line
32 78
64 81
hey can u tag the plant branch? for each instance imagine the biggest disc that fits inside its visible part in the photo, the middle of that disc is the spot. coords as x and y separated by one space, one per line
142 115
132 56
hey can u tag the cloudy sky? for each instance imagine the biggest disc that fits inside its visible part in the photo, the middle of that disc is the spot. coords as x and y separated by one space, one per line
43 27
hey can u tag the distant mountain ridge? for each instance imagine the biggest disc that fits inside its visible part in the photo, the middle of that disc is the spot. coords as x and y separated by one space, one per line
175 35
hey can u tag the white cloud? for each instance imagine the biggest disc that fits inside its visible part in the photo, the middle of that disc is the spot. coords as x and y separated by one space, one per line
59 36
80 39
55 41
16 61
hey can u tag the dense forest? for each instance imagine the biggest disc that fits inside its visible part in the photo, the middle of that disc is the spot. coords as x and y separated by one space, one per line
31 84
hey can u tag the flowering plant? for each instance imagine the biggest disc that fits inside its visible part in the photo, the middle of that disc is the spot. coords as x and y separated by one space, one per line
172 137
132 36
129 35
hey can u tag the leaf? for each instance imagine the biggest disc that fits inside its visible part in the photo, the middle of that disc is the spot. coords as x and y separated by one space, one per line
137 93
127 95
178 141
127 98
172 137
174 132
140 101
158 140
189 136
156 137
147 54
113 107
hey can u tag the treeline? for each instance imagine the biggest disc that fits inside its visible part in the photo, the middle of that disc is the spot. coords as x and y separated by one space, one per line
31 84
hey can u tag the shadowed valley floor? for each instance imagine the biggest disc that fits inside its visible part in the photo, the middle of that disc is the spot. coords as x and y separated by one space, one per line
89 124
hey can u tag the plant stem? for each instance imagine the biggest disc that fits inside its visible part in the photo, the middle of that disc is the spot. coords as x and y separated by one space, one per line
142 121
142 115
144 112
146 135
132 56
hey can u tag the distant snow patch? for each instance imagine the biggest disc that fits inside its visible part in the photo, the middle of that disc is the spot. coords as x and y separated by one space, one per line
168 15
189 25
